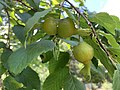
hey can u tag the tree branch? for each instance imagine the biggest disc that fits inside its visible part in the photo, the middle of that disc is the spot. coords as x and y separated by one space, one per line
93 30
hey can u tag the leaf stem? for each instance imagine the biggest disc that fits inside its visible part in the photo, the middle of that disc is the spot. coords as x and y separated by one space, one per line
93 30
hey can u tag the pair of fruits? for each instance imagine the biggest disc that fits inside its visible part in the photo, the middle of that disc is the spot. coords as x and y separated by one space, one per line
64 27
84 53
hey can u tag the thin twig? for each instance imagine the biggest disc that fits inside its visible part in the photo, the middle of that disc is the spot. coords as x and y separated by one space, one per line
27 5
8 38
93 30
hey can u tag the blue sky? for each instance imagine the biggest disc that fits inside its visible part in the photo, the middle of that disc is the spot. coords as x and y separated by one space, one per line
110 6
95 5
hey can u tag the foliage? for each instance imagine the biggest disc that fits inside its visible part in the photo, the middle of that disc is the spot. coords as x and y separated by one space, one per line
24 42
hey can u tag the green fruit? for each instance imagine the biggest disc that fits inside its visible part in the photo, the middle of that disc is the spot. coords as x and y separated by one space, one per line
50 26
83 52
66 28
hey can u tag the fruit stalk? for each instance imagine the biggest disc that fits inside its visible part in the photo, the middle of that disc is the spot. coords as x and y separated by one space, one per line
85 71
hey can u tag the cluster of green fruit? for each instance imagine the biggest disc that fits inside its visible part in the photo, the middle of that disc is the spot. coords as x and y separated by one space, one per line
63 27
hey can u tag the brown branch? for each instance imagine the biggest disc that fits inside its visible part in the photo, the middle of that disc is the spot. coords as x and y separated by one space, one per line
93 30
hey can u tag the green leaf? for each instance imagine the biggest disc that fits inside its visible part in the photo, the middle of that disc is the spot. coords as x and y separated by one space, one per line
81 2
111 39
118 66
101 55
46 56
2 69
4 4
71 83
116 78
71 42
95 62
24 16
32 3
115 52
100 70
33 20
2 45
105 20
52 65
11 84
117 21
60 63
55 80
1 20
83 23
37 2
84 32
29 78
19 32
1 6
22 57
4 57
59 1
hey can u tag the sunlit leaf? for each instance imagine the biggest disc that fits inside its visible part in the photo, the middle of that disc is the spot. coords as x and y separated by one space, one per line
57 1
1 20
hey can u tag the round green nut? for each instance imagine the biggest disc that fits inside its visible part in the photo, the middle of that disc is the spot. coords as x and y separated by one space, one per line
83 52
66 28
50 26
